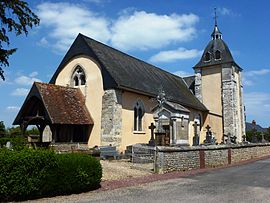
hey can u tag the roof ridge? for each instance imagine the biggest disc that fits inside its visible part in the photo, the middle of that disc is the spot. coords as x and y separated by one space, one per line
128 55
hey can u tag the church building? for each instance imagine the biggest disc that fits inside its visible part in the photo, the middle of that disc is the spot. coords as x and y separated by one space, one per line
102 96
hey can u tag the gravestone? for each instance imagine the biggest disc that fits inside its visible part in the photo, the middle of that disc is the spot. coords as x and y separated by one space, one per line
47 134
8 145
209 139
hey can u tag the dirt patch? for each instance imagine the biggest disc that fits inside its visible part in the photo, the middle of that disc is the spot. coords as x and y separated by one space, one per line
120 169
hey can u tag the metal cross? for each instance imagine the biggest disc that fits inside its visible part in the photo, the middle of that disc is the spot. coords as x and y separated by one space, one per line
215 17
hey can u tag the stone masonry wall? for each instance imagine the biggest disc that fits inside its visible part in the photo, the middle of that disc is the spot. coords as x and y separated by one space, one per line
111 118
214 158
242 154
169 159
198 84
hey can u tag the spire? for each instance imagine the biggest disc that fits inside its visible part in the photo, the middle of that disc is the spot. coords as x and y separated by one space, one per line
216 34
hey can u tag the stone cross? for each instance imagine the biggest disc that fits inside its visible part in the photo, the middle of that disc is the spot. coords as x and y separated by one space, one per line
195 128
208 128
152 140
196 139
161 98
208 137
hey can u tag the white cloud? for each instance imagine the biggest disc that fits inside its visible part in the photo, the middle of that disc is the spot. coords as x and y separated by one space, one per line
257 72
173 55
33 74
67 20
20 92
97 1
226 12
27 80
257 106
181 73
247 82
13 108
250 77
131 30
142 30
43 42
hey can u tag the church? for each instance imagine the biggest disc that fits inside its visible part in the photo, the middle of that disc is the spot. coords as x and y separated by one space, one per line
101 96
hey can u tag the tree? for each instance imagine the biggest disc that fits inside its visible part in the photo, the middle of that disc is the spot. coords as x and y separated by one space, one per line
14 131
15 16
2 129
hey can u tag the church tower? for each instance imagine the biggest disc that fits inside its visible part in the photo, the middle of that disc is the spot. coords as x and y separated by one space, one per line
218 86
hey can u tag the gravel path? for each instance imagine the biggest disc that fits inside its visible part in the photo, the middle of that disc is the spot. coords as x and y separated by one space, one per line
120 169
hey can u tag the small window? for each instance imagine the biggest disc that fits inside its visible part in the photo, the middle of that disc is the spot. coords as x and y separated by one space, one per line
217 55
78 77
76 81
207 56
138 116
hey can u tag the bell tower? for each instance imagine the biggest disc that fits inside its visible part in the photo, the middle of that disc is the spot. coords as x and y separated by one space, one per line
219 87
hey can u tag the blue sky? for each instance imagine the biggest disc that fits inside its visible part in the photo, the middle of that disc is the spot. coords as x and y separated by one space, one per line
169 34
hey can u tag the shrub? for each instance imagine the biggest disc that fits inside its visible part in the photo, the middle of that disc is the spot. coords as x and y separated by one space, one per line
29 174
18 142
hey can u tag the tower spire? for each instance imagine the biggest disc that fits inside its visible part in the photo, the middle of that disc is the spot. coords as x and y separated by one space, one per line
216 34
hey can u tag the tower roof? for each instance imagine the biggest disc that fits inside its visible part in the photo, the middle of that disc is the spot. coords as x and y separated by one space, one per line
216 51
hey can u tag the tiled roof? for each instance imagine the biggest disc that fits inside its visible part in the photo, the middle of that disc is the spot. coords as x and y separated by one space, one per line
123 71
63 105
190 81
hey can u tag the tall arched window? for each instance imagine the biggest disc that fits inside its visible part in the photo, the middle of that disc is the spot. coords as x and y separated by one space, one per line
138 116
78 77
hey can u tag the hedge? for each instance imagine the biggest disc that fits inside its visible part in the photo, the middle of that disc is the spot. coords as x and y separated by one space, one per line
18 142
29 174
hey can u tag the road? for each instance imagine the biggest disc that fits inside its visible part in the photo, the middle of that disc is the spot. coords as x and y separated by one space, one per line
246 183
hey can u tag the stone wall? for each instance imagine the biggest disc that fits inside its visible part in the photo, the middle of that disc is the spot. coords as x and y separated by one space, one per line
111 118
169 159
215 158
249 152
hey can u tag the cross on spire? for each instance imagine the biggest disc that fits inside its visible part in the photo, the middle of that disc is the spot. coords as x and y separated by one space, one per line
215 17
216 34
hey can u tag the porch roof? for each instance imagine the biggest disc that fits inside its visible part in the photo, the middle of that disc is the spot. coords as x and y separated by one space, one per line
61 105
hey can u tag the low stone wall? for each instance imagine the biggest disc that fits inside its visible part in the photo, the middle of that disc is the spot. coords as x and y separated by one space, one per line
169 159
142 154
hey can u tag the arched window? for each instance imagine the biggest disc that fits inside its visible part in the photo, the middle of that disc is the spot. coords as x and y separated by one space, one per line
207 56
217 55
78 77
138 116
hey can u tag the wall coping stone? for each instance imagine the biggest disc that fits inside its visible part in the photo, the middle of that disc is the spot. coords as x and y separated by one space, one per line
209 147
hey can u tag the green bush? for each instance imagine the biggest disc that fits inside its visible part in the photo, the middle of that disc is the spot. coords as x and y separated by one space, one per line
29 174
18 142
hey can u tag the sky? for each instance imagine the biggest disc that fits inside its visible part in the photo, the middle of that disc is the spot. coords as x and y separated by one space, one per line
170 34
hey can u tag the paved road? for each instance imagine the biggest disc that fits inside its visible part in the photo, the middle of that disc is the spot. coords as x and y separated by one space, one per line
246 183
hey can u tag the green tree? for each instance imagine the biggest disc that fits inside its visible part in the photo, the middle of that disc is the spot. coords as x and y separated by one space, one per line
16 17
14 131
32 131
2 129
